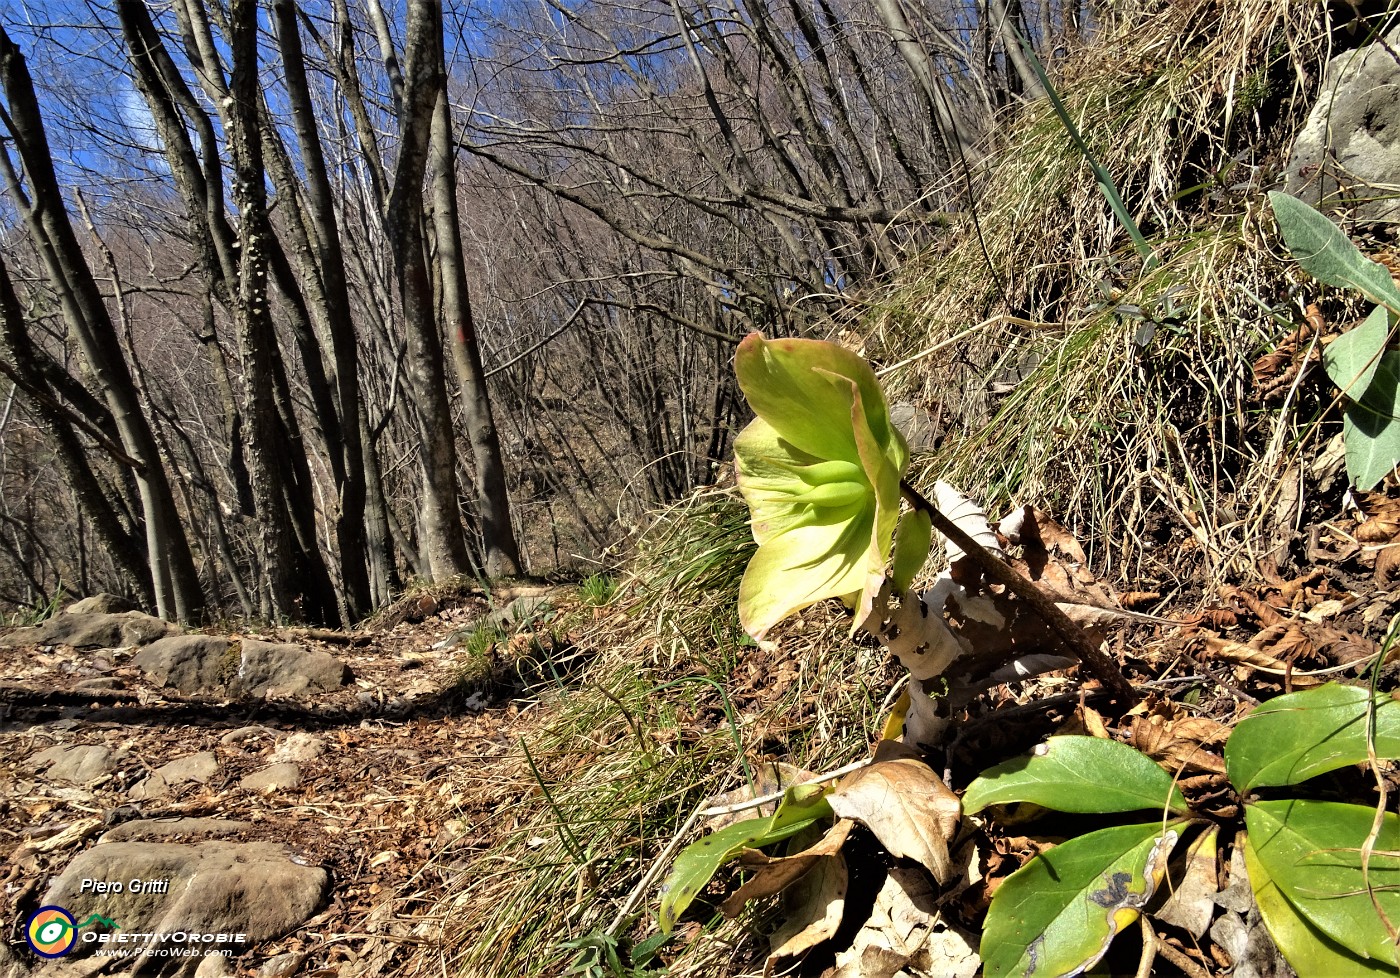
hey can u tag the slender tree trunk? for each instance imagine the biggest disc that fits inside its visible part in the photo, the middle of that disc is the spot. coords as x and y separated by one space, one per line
441 545
502 556
257 344
339 323
176 584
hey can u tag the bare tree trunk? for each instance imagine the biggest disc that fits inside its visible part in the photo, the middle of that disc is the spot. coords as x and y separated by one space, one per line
951 124
253 316
502 556
121 546
174 579
339 322
442 545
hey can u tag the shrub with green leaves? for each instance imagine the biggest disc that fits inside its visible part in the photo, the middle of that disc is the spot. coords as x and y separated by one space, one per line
1324 873
1358 361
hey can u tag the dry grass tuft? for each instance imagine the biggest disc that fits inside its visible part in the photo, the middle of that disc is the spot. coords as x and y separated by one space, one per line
1119 400
671 712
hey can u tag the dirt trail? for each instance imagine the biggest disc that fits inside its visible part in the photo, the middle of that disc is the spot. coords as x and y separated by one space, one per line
349 780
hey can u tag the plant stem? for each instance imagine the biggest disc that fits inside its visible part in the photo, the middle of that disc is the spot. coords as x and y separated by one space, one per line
999 572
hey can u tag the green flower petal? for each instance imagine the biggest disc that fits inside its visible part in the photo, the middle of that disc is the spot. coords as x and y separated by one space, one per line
820 470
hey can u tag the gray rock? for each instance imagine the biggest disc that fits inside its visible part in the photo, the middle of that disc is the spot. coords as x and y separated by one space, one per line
196 768
92 631
238 736
267 669
253 889
100 604
1350 149
520 610
299 748
189 663
12 967
165 829
99 684
275 777
202 663
77 764
281 965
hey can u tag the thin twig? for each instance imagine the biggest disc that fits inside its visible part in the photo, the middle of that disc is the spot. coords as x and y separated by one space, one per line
999 572
1177 957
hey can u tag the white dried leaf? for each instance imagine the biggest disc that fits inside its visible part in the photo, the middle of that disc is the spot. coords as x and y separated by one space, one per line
968 516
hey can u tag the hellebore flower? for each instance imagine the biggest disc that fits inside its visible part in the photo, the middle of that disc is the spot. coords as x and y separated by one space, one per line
820 470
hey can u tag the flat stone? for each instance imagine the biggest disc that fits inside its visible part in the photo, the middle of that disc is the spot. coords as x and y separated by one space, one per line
238 736
203 663
281 965
92 631
12 967
299 748
188 663
165 829
77 764
275 777
1349 151
268 669
100 604
520 610
253 889
99 684
196 769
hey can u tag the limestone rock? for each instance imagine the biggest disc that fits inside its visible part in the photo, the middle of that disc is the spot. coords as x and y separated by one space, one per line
275 777
223 889
269 669
165 829
92 631
203 663
77 764
1350 149
100 604
12 967
299 748
188 663
195 768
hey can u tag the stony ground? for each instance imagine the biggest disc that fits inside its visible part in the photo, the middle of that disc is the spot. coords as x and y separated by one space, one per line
324 790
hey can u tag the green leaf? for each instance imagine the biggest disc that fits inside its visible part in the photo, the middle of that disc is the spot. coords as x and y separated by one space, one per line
1077 774
1057 914
1299 736
802 805
1328 255
1371 425
911 546
1311 850
1352 358
820 470
1311 953
1369 375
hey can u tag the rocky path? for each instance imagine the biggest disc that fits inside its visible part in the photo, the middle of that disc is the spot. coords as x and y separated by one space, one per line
268 803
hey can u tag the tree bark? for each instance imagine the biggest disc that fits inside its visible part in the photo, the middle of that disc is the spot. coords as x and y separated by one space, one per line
501 554
174 580
442 545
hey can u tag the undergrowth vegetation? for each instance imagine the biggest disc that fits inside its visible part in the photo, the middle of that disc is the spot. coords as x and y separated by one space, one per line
1054 371
676 708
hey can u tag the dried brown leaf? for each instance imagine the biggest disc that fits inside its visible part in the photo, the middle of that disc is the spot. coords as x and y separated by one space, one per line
1180 744
909 809
812 911
773 874
1191 905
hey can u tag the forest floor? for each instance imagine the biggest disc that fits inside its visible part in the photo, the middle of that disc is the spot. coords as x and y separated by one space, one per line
407 778
393 789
